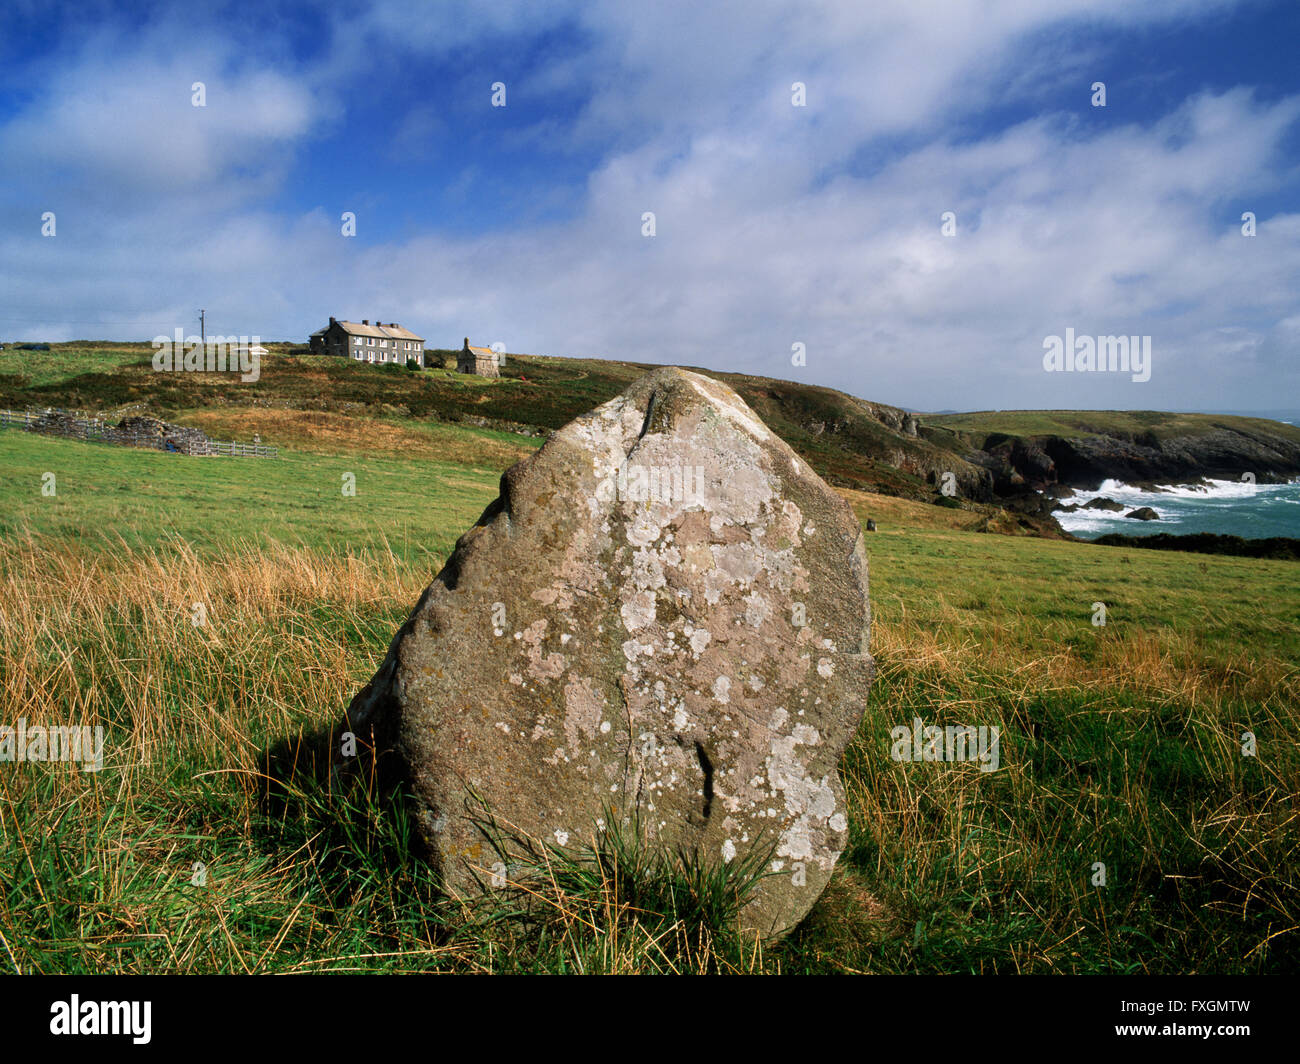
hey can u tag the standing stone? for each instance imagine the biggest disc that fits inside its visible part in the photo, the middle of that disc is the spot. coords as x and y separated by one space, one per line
663 618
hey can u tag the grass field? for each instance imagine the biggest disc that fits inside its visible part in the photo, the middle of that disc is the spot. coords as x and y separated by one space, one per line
1120 744
1132 424
412 505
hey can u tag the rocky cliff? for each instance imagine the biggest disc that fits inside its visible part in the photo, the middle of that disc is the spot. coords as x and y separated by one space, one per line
1134 447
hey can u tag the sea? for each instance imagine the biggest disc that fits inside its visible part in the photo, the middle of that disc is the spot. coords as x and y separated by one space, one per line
1226 507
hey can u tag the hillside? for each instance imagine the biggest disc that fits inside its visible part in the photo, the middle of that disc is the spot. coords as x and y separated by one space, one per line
999 460
851 442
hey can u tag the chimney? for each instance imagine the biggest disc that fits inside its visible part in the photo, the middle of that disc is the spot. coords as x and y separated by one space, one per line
332 321
467 343
365 321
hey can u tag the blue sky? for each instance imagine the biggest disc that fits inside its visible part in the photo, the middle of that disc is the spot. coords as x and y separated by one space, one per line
775 224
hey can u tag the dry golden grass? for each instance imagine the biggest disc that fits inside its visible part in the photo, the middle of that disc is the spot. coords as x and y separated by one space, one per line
1121 748
287 637
103 639
326 432
894 515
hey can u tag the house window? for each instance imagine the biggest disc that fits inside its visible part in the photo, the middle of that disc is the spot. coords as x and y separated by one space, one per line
357 341
370 341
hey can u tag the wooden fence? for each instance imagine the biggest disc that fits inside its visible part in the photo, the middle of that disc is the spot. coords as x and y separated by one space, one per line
61 423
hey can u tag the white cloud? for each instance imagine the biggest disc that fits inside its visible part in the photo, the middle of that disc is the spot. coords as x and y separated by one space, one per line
117 122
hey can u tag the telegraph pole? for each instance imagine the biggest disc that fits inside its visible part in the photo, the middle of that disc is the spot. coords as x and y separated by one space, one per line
203 336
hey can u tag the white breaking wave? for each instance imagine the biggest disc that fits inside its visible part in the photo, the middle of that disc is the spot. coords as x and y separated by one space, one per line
1131 498
1082 521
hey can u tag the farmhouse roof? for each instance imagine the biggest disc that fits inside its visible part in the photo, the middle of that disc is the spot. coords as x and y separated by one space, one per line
391 330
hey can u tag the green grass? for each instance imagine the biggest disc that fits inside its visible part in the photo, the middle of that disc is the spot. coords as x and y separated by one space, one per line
1131 424
1121 744
1230 605
65 362
417 508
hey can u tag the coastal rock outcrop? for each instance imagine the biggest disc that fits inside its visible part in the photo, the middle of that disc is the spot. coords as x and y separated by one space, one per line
1266 450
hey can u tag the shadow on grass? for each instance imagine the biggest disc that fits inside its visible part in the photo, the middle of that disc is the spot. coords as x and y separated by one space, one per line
616 905
340 795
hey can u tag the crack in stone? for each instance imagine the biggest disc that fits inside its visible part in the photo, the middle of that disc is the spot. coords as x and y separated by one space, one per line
706 766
